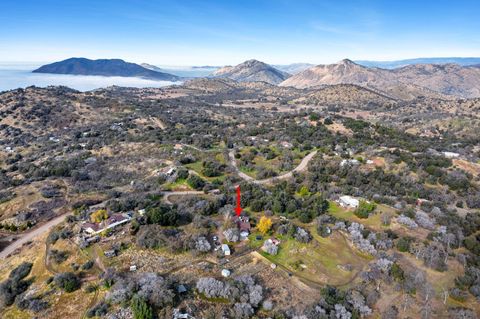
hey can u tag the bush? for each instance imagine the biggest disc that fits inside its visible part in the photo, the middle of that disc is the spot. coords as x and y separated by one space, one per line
88 265
364 209
98 310
403 244
140 308
195 182
67 281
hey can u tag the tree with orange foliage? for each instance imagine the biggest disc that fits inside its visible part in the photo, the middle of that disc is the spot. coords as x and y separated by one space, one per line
99 215
264 225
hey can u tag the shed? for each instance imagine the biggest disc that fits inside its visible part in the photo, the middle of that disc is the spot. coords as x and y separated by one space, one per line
226 272
110 253
226 249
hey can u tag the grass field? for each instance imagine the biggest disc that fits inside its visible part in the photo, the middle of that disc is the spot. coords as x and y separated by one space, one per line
321 260
373 222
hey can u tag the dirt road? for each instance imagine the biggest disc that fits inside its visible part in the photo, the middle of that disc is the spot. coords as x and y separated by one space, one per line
301 167
24 238
179 193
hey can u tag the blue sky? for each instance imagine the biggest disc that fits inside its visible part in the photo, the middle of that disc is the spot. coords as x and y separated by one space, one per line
188 32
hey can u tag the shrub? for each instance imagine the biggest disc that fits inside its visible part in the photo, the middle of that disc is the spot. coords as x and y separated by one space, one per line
364 209
140 308
67 281
403 244
195 182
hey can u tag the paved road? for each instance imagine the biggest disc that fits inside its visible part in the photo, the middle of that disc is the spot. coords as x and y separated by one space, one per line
301 167
24 238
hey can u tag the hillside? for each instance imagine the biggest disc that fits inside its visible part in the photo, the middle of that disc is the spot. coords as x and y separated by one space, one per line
348 95
103 67
405 83
252 71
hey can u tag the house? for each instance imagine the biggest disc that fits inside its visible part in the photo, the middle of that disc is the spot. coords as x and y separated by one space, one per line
286 144
244 235
181 289
170 171
111 222
110 253
226 272
451 155
349 162
177 314
243 223
270 246
226 250
90 228
348 201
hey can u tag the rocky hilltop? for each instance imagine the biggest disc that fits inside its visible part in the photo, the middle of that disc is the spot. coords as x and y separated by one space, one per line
406 82
252 71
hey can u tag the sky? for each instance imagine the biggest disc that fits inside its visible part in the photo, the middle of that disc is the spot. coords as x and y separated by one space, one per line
186 32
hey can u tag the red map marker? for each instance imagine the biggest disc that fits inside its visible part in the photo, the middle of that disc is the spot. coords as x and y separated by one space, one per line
238 209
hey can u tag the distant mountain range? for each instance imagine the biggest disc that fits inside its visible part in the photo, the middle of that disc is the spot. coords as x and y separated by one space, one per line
104 67
252 71
400 63
293 68
183 71
406 82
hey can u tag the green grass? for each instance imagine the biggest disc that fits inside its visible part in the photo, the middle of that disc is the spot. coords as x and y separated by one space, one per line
176 184
215 300
321 256
373 221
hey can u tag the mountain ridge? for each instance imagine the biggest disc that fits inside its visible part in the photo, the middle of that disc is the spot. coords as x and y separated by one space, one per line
252 71
405 82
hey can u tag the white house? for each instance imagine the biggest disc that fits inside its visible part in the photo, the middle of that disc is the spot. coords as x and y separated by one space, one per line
348 201
349 162
226 249
225 272
451 154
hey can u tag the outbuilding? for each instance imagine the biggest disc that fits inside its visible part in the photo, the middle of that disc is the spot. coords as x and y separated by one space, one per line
226 272
226 250
348 201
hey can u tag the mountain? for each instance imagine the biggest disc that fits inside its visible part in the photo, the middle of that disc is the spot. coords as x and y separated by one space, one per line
252 71
430 80
293 68
151 67
104 67
400 63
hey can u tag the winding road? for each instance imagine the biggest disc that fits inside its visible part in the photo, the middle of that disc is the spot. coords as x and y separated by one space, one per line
29 236
301 167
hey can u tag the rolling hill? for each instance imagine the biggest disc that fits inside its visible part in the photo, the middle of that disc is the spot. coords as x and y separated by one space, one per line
252 71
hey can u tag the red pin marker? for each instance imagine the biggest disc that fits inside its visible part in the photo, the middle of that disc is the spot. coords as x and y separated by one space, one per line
238 209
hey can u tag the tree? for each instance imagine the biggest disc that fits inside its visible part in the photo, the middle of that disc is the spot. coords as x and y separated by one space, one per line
68 281
364 209
140 308
304 192
99 215
264 225
195 182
